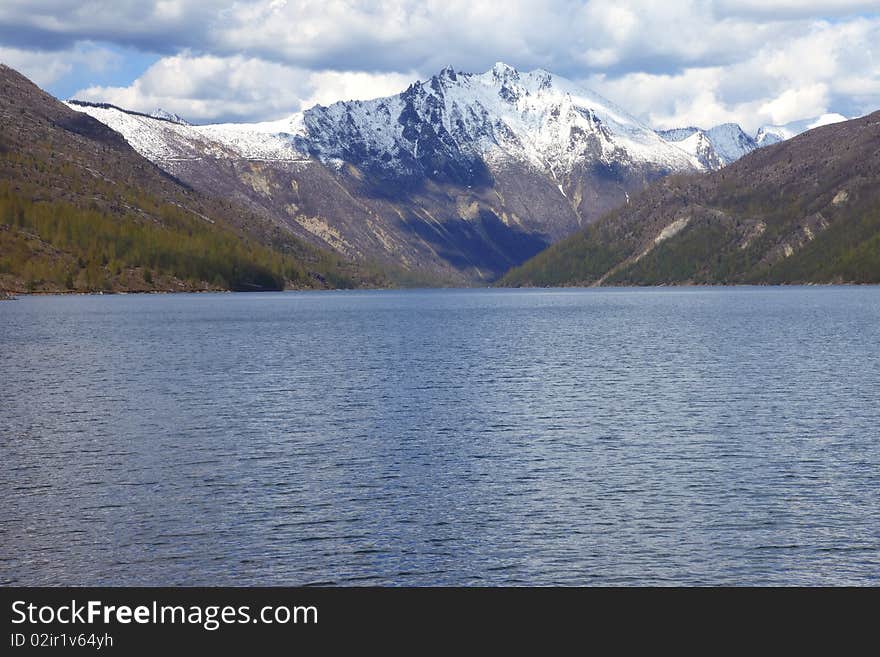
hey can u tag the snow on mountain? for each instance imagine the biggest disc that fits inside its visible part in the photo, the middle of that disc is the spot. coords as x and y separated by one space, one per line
452 127
696 143
726 143
535 118
679 134
772 134
459 119
730 142
161 140
714 148
461 175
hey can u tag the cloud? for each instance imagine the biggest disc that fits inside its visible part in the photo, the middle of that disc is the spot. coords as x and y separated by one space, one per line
829 67
676 61
331 86
787 9
214 89
793 104
47 67
162 26
393 35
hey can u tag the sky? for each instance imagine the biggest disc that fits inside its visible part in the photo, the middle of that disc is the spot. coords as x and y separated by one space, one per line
672 63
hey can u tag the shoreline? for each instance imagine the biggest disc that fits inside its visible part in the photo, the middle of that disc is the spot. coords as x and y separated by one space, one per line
19 295
588 286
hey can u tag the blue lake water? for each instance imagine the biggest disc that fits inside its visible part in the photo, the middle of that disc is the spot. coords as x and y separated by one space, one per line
614 436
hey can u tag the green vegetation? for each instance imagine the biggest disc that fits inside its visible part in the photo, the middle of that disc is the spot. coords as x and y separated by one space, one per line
64 228
705 252
847 251
582 258
58 245
713 251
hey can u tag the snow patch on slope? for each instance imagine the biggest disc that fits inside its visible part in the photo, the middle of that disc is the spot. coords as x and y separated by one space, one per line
161 140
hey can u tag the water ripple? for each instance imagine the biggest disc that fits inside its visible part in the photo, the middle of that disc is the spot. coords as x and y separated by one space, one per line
618 437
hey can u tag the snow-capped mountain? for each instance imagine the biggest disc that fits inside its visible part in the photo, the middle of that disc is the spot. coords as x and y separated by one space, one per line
459 120
456 124
772 134
461 175
714 148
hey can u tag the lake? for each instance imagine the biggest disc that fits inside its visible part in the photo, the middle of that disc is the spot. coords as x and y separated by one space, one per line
433 437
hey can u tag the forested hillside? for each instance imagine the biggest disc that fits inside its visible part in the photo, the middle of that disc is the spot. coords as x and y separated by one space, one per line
80 210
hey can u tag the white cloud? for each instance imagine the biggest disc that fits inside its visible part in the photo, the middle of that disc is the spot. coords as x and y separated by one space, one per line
678 61
797 103
780 9
208 88
155 25
45 68
829 67
331 86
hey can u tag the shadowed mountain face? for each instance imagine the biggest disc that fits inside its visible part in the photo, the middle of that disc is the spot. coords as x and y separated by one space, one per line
80 209
459 177
803 210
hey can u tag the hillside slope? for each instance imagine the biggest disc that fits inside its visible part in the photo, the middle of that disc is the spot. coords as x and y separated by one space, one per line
806 210
80 210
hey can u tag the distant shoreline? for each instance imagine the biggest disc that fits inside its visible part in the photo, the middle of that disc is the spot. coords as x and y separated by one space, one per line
678 285
17 295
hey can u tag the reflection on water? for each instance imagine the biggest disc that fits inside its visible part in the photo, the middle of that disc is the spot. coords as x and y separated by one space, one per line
442 437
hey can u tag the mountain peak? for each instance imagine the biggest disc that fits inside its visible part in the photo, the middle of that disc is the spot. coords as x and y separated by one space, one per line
448 73
502 70
727 127
715 147
160 113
